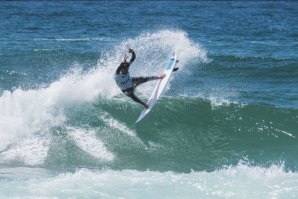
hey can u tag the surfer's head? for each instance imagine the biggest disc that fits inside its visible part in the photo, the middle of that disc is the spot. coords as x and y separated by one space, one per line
125 59
124 67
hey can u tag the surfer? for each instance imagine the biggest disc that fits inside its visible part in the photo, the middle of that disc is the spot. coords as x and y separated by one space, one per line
128 84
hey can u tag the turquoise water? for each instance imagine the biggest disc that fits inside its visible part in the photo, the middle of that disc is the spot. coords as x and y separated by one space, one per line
225 127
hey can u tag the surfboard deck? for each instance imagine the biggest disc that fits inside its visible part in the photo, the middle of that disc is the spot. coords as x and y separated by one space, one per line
159 87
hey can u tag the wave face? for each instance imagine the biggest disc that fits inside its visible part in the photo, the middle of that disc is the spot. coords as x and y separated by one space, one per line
225 127
224 183
81 121
34 121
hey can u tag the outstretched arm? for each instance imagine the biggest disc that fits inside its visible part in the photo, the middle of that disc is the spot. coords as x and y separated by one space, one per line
133 55
121 65
118 69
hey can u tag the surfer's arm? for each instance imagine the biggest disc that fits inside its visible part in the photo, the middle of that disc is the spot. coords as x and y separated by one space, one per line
133 55
118 69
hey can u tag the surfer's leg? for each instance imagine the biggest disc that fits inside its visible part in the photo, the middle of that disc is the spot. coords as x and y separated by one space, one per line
131 94
140 80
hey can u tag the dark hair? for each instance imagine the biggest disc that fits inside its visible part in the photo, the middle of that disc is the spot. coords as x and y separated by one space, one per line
124 64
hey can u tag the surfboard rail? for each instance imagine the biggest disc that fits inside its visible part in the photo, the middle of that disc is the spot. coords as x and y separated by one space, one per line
159 88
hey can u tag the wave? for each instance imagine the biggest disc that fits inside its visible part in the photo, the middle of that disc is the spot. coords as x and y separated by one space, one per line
250 79
261 66
87 39
241 181
34 118
83 120
12 73
232 58
196 135
181 134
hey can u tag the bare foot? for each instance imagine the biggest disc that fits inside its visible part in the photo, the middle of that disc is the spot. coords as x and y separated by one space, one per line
146 106
162 76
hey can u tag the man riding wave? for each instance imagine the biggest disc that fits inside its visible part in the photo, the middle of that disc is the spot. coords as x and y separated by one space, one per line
128 84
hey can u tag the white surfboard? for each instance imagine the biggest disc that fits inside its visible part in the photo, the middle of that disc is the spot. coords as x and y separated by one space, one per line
159 87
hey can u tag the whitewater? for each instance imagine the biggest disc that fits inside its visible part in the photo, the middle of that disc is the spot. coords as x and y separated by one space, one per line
225 126
29 117
33 121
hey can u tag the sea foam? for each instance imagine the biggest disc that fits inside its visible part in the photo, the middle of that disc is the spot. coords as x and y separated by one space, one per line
33 114
241 181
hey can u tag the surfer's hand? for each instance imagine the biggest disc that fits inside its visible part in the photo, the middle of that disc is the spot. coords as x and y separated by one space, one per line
130 50
125 58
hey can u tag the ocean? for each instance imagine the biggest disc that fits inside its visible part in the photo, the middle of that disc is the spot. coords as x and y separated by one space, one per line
226 125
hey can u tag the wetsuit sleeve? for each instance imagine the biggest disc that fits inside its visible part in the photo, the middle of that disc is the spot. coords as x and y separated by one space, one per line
133 57
118 69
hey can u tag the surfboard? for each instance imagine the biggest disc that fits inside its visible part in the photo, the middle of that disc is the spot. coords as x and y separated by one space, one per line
159 87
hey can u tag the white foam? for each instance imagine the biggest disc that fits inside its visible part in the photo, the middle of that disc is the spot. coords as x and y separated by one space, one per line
219 101
25 113
110 121
122 128
87 39
241 181
89 143
32 113
153 51
31 151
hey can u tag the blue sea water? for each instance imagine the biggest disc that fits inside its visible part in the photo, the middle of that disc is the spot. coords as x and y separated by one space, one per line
225 127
